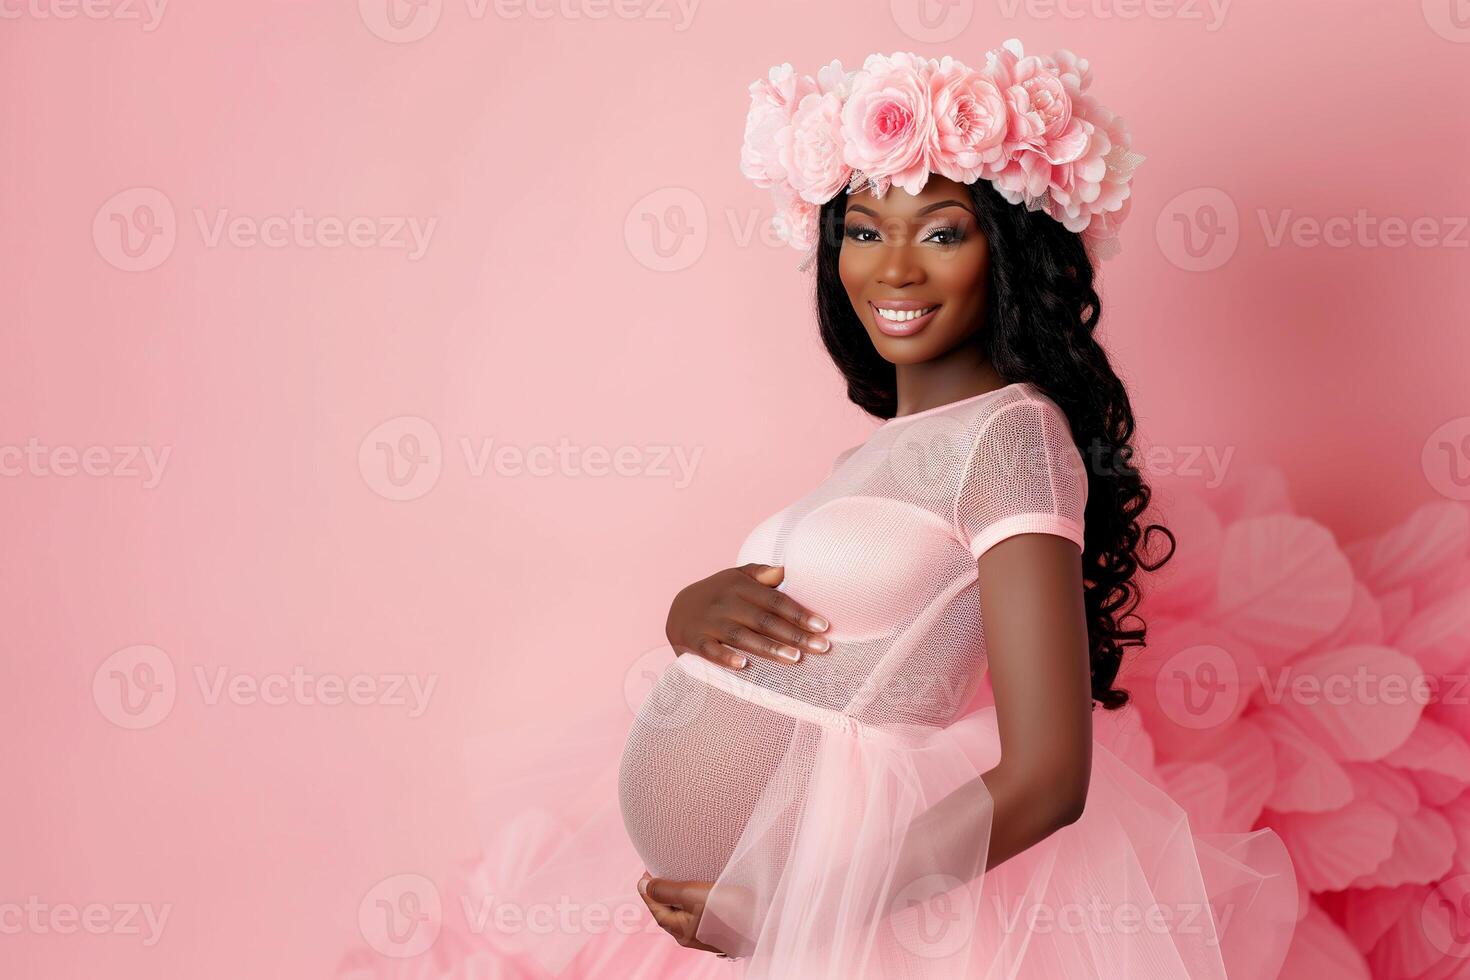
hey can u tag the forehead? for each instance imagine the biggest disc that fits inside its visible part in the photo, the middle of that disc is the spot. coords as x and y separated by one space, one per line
899 203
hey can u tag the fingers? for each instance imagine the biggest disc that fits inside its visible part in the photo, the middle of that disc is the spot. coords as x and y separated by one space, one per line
753 618
676 907
788 608
780 617
769 575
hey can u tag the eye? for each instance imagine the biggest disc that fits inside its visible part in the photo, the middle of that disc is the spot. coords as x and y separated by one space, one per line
950 235
855 233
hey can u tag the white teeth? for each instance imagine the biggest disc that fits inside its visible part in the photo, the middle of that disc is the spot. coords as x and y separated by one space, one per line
899 316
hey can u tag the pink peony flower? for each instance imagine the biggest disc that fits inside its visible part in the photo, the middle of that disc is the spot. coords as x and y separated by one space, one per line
970 121
772 102
1042 121
810 149
887 124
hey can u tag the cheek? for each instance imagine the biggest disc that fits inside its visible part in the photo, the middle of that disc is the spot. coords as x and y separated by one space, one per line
854 272
963 276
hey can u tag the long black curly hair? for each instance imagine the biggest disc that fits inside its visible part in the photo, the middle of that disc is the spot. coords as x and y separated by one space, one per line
1041 311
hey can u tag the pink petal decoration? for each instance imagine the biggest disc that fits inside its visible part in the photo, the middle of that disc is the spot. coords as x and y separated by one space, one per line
1320 949
1433 537
1330 850
1283 584
1438 635
1308 778
1186 582
1345 699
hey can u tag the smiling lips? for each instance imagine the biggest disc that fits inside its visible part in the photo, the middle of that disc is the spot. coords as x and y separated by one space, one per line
902 317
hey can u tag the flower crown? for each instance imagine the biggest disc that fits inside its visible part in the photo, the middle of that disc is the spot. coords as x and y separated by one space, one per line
1024 123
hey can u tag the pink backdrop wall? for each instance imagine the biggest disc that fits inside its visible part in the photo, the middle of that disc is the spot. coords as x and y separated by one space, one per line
282 279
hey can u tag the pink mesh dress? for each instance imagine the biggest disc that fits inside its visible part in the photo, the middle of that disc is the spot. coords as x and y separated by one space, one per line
837 803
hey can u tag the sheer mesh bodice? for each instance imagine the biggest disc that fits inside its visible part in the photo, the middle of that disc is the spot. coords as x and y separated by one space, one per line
885 548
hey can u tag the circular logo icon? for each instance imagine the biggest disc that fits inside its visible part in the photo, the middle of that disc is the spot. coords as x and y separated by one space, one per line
402 458
135 230
1445 459
667 230
1199 687
135 687
660 693
400 21
1450 19
929 22
1445 916
401 915
934 916
1199 229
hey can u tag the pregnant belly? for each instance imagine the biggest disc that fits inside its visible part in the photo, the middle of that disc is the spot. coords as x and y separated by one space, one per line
696 763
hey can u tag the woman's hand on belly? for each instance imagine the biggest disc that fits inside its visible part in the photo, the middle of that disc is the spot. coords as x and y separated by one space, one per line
739 611
677 907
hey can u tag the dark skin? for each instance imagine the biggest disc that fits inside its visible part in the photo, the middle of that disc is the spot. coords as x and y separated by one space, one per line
928 247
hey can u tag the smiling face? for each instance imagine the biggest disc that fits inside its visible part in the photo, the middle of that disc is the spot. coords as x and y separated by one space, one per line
915 267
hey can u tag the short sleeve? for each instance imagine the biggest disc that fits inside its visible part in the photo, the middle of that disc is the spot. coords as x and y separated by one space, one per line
1023 474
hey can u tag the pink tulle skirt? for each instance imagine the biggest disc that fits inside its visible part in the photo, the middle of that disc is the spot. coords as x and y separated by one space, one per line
864 858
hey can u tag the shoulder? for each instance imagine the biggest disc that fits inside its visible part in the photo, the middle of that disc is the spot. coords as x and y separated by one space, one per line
1021 415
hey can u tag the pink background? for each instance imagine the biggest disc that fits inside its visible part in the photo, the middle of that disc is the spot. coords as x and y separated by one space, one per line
544 149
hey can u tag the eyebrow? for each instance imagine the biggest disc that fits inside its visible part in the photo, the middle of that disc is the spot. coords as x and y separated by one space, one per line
917 214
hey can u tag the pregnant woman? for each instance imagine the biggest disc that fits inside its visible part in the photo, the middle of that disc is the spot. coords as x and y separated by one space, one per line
815 786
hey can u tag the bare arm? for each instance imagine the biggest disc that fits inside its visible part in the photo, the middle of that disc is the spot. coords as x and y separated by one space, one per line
1036 641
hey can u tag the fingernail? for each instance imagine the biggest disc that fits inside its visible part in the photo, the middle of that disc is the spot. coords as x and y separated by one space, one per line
817 623
789 653
643 887
818 643
738 662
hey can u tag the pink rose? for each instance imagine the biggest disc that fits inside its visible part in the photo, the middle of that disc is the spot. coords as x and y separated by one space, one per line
887 124
772 102
970 121
810 149
1040 104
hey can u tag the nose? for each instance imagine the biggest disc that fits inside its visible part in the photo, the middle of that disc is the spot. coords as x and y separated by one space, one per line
900 266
